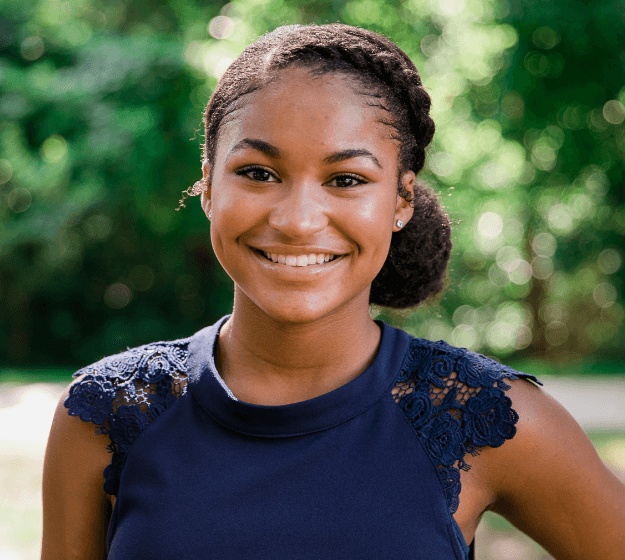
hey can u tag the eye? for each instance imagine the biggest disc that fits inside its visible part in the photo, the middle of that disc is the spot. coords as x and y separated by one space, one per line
346 181
256 173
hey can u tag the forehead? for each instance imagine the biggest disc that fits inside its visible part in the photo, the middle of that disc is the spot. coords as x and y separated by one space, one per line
316 113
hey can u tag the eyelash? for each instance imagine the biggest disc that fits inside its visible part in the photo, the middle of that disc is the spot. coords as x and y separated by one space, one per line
244 173
360 180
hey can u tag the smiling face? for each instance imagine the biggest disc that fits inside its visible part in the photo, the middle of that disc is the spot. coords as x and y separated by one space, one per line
303 194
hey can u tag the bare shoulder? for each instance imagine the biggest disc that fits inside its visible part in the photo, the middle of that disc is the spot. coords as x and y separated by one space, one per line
550 482
76 508
71 435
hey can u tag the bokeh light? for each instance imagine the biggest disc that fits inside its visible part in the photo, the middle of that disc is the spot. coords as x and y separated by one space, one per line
527 157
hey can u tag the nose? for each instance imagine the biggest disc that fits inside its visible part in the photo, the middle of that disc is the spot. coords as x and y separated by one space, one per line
300 212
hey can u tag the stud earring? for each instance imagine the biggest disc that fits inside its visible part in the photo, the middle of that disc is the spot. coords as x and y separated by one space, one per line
399 224
210 215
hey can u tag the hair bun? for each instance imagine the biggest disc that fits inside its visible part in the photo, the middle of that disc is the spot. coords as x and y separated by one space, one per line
417 261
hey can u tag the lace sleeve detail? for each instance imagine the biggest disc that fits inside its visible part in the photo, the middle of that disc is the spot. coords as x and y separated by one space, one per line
455 401
123 394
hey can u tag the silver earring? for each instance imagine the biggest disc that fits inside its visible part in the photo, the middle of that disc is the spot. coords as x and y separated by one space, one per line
399 224
210 214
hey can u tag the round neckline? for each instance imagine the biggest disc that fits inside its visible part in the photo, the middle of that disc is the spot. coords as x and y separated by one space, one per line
312 415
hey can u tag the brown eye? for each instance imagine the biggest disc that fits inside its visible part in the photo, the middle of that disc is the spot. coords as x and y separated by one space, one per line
346 181
259 174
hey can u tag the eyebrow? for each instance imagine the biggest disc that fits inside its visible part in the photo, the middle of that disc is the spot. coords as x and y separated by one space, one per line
272 151
349 154
256 144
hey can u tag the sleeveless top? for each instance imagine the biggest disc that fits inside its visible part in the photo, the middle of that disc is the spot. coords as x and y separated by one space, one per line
370 470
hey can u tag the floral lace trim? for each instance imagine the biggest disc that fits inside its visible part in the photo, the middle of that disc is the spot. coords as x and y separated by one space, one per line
123 394
455 401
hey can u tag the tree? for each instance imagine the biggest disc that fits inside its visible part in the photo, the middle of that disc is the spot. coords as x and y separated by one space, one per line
99 104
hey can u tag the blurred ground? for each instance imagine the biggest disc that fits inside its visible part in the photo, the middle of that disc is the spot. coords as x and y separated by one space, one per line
26 412
25 416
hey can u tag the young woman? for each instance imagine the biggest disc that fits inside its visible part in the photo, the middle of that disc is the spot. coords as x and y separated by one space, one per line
298 427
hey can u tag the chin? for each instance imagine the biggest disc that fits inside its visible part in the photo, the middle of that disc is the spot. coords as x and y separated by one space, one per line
299 308
297 312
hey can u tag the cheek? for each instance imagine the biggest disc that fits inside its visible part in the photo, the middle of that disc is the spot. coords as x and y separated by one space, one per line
233 214
370 225
371 210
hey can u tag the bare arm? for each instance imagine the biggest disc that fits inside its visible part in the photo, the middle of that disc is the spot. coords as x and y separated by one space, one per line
75 507
552 485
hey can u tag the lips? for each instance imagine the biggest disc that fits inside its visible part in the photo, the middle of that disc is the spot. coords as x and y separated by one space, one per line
305 259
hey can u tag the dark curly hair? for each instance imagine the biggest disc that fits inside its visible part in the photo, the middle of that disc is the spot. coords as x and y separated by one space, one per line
417 261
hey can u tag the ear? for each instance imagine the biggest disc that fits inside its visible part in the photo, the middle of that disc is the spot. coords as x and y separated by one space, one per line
205 196
206 170
403 208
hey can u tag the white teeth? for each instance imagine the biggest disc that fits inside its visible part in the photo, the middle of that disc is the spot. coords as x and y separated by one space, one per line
300 260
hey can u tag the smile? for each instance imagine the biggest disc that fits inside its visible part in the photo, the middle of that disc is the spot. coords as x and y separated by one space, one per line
299 260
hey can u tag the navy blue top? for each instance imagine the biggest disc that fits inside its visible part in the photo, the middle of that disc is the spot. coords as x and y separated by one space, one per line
367 471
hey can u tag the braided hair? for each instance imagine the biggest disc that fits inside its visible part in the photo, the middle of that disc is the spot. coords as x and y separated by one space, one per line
415 267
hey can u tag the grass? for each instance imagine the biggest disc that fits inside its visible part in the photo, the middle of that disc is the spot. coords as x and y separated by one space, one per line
579 368
35 375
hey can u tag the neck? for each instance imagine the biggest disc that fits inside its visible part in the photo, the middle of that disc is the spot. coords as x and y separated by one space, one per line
265 361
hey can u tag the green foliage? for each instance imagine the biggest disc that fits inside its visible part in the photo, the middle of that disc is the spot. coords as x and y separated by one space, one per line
529 101
100 128
95 143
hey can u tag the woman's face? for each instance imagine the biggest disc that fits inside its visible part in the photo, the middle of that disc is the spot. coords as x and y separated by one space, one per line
304 197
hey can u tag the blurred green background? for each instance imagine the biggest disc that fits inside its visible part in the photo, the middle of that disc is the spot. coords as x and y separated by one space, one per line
100 131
